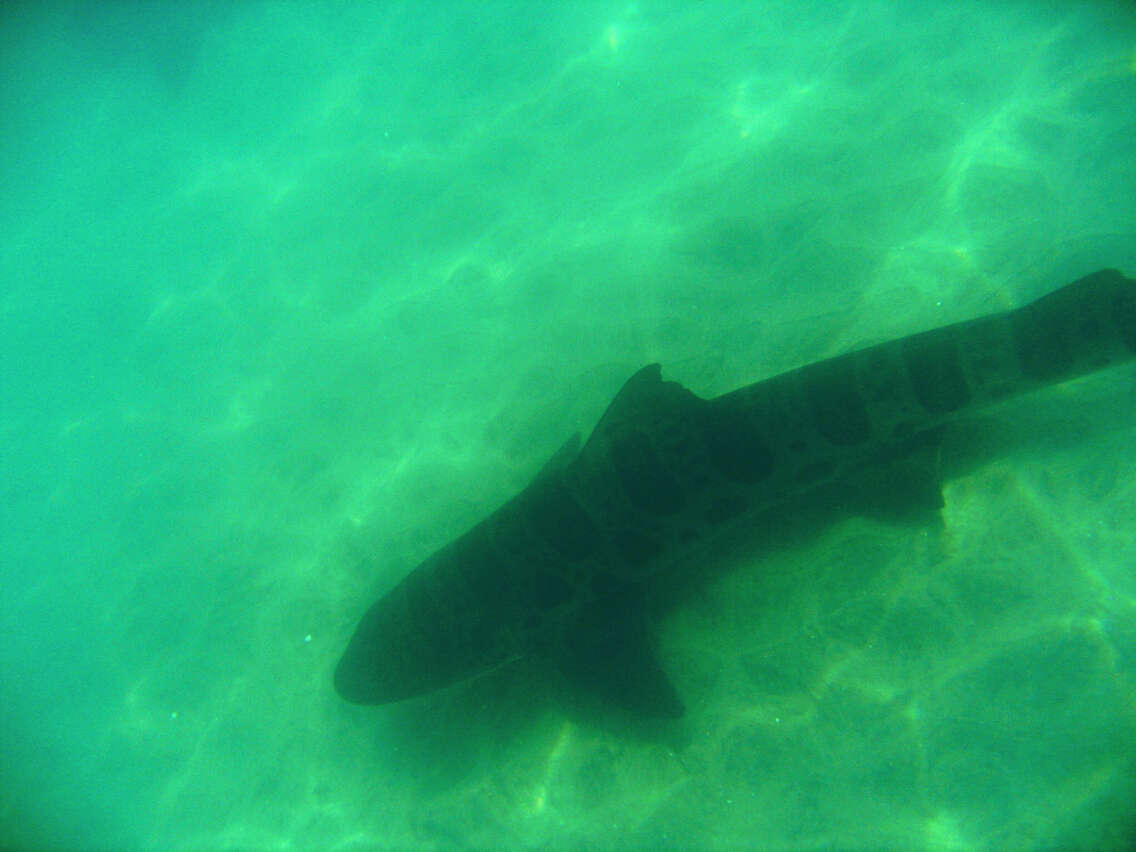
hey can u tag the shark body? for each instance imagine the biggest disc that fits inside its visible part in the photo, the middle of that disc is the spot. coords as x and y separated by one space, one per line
560 569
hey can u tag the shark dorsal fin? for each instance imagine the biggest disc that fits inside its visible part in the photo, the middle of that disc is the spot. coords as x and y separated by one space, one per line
560 459
643 398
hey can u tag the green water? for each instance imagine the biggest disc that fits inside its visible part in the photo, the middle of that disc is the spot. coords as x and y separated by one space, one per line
291 294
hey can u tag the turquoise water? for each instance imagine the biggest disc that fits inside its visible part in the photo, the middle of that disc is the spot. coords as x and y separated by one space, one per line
294 293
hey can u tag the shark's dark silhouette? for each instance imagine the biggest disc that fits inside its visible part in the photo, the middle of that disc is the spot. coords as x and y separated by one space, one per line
560 569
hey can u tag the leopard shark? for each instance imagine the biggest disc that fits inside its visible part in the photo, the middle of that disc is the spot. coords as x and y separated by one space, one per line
561 569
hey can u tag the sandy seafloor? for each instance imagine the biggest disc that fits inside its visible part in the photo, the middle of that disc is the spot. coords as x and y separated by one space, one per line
292 294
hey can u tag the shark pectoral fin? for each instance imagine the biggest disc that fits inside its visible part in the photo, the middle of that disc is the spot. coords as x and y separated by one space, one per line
608 650
908 484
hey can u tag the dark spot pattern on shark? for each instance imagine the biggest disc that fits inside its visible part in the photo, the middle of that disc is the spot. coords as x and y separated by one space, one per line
562 568
562 523
737 450
1070 331
837 407
1123 310
634 547
649 486
936 375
